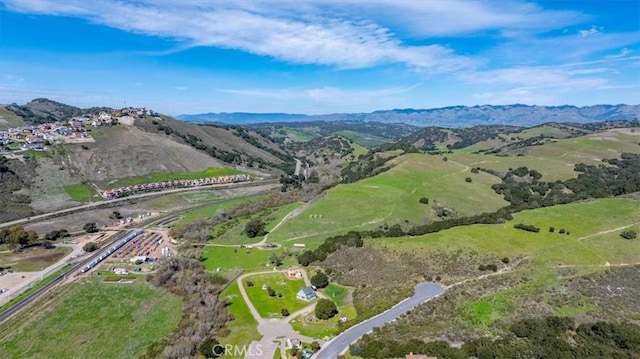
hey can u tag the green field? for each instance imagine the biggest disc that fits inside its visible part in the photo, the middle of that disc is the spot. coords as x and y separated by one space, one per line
269 307
242 329
249 259
543 248
392 197
364 139
161 177
298 135
82 193
232 232
94 320
213 209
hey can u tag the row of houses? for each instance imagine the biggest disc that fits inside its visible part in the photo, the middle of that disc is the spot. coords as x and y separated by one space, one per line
149 187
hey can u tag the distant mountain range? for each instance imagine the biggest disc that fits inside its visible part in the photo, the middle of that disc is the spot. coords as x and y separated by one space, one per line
456 116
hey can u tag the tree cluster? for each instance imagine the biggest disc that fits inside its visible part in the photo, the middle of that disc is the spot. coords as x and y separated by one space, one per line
325 309
330 245
255 228
203 313
17 236
320 280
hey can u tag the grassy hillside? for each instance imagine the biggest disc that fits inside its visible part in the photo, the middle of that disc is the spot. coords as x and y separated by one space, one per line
392 197
556 160
228 144
9 119
126 151
546 273
95 320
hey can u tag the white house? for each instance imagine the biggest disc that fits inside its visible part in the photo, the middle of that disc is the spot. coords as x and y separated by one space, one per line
306 294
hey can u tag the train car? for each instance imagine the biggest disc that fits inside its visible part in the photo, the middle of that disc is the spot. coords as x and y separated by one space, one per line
111 250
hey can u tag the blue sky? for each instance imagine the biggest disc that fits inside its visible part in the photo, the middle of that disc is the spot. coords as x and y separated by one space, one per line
317 57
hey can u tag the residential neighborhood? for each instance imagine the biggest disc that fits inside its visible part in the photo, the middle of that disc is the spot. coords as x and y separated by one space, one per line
74 130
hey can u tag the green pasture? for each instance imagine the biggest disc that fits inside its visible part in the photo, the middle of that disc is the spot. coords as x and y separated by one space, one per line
213 209
95 320
270 307
82 192
161 177
549 249
583 251
232 231
364 139
249 259
392 197
556 160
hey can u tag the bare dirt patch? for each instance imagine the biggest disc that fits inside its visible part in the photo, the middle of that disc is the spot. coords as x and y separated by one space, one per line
34 259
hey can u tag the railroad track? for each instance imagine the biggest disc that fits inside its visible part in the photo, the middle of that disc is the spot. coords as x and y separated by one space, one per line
15 308
40 291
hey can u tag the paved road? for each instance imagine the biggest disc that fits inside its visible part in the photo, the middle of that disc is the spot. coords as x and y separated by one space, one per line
124 199
339 344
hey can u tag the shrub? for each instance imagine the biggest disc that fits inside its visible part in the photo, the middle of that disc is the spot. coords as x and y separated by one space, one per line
90 246
271 291
254 228
552 229
424 200
482 267
505 260
528 228
630 234
320 280
468 180
284 312
250 283
561 231
90 227
325 309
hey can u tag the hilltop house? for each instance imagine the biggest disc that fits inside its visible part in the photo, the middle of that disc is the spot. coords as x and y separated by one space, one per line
306 294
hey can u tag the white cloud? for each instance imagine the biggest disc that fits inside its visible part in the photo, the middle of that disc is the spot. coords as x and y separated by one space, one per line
456 17
594 30
311 38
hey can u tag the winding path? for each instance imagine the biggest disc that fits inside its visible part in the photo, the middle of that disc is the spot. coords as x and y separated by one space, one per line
423 293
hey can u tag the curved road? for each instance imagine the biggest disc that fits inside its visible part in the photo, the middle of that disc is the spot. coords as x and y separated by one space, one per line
423 292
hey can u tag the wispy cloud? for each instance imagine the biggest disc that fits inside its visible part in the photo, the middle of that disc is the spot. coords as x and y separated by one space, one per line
594 30
312 38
